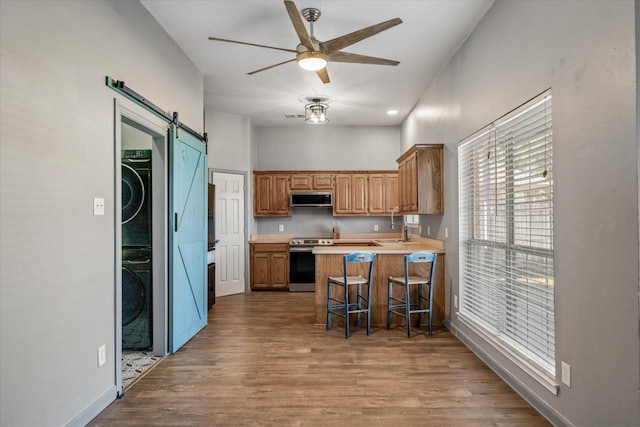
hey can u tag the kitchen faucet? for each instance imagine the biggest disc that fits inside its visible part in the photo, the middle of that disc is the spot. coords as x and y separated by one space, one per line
394 210
405 229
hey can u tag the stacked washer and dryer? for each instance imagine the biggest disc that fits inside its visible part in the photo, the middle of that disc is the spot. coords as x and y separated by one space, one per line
137 317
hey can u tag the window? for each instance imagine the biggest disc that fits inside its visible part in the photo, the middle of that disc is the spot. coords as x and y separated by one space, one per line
506 237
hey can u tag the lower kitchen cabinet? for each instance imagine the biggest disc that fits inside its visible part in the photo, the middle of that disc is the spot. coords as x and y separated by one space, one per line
269 266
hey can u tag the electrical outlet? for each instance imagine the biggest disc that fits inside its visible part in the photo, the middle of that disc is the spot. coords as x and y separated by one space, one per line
420 229
102 355
566 374
446 232
281 227
375 227
455 301
98 206
428 230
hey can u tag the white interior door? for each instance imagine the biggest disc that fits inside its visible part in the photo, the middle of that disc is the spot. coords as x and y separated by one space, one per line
229 211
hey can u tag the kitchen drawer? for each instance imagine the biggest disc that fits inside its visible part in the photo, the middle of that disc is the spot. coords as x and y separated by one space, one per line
270 247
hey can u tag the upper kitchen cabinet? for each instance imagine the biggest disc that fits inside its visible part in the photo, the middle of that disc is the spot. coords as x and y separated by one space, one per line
382 193
271 194
312 182
420 180
350 196
366 193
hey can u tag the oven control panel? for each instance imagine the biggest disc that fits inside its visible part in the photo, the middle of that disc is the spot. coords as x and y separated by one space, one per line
311 242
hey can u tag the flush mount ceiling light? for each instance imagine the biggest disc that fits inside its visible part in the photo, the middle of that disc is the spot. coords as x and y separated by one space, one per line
315 113
315 109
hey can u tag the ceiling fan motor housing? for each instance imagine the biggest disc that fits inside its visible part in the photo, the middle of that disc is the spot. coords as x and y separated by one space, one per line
311 14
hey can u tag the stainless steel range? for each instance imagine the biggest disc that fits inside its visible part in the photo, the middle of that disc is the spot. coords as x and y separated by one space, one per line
302 264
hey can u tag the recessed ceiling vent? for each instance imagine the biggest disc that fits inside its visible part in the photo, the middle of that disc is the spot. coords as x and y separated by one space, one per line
294 116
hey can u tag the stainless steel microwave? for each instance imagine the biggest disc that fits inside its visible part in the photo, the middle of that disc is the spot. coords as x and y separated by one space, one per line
314 199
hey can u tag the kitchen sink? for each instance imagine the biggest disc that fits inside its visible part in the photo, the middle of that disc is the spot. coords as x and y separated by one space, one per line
355 244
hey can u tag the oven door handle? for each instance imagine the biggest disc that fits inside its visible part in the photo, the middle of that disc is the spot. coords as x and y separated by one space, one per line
300 249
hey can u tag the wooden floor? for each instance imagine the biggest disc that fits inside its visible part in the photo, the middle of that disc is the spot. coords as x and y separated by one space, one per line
261 361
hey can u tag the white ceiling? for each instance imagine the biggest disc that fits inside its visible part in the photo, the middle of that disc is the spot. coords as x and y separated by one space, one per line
360 94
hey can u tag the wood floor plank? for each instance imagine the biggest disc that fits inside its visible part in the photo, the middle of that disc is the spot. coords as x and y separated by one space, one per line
261 361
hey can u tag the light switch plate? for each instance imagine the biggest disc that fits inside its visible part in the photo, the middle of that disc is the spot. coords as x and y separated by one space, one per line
102 355
98 206
566 374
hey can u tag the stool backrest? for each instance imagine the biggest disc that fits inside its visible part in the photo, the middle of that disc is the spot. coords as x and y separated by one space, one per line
418 257
357 257
421 257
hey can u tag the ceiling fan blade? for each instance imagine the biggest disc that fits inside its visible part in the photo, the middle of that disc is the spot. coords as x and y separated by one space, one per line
298 25
252 44
360 59
341 42
270 66
323 74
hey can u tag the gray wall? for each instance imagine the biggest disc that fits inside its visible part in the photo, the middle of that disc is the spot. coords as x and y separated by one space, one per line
323 147
56 154
230 139
326 147
584 51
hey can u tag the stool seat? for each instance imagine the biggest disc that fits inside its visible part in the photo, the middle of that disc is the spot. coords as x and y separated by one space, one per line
341 306
403 306
413 280
351 280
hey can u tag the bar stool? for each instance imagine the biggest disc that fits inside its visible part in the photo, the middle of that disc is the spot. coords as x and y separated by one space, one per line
362 303
404 307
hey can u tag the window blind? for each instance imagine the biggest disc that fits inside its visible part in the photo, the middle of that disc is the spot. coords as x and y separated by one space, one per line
506 235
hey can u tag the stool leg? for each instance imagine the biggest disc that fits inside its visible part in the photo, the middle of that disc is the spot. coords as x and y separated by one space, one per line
369 308
430 311
329 295
389 301
419 303
346 311
358 303
407 309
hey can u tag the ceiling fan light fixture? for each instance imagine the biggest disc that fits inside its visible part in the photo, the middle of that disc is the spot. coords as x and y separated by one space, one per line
312 61
316 113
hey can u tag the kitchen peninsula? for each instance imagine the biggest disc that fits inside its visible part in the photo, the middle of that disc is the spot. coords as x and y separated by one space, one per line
389 262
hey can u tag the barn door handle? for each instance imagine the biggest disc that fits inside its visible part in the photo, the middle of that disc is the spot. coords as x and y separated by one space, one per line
175 222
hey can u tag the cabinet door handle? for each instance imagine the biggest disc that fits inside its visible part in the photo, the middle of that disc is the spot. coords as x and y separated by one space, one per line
175 222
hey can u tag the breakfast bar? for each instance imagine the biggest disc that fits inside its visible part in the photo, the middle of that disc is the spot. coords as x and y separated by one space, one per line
389 262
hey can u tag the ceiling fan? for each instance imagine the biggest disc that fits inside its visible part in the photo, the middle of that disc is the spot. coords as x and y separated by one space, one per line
313 55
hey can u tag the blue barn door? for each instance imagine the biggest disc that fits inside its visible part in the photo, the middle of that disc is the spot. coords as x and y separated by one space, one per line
187 237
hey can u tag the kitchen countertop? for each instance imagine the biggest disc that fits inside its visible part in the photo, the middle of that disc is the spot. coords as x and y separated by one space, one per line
381 246
379 243
270 238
